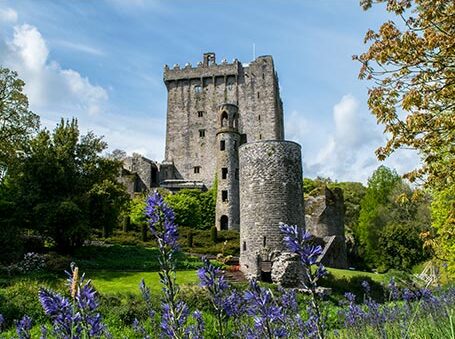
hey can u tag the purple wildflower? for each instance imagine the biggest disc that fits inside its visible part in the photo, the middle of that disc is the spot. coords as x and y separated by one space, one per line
75 317
139 329
44 332
161 221
366 287
196 331
298 241
23 327
408 295
233 304
394 292
311 325
354 315
213 280
288 301
268 317
59 309
146 295
174 312
2 321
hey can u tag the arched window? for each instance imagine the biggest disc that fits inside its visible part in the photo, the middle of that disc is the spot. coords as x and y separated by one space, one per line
224 222
224 119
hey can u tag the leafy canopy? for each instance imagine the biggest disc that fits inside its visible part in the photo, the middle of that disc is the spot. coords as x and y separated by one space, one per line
411 64
17 122
64 188
389 213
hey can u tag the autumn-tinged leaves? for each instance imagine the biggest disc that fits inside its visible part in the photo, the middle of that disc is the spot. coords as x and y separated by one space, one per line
413 93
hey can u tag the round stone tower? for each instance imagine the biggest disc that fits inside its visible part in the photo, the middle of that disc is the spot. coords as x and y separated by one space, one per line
227 168
271 193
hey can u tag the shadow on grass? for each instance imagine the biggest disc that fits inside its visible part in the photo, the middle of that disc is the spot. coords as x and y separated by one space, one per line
124 258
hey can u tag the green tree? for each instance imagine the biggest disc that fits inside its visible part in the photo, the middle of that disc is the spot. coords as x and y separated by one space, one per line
187 207
106 201
401 246
193 207
372 217
64 185
443 213
17 122
137 210
411 65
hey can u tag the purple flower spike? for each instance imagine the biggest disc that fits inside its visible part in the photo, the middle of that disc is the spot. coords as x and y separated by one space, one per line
161 221
366 286
23 327
2 321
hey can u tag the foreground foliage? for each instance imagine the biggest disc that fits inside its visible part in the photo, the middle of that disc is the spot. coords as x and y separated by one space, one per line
257 312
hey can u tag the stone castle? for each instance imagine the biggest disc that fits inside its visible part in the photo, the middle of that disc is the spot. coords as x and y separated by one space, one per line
225 125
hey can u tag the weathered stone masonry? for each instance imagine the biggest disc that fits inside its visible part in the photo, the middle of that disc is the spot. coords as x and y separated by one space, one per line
270 193
194 95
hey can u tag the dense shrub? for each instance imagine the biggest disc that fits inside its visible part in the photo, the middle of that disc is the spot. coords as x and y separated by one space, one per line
401 246
124 308
19 299
193 208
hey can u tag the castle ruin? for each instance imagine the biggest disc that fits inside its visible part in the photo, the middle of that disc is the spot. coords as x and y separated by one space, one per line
225 125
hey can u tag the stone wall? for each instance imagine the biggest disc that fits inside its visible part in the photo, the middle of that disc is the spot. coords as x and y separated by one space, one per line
194 94
324 218
139 174
270 193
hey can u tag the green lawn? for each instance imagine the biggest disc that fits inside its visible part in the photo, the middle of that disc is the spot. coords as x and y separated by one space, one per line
348 274
108 282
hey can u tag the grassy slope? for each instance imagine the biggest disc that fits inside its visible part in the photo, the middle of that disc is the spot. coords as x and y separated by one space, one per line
107 282
348 274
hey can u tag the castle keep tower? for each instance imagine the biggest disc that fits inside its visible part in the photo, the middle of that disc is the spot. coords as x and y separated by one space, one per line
270 193
194 95
228 141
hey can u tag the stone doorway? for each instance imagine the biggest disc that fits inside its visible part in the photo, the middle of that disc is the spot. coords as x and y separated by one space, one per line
224 222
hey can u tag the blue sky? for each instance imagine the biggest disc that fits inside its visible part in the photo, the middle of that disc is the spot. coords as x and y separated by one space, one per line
102 61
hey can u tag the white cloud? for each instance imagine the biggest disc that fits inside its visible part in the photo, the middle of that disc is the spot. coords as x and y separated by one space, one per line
30 46
56 92
8 15
49 86
347 152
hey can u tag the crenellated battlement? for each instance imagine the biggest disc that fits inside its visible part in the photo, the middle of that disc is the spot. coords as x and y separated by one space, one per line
205 68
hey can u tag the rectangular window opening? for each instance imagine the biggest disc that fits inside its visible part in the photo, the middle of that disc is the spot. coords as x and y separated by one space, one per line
224 173
243 139
224 196
201 133
200 114
244 245
197 169
237 173
264 241
222 145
